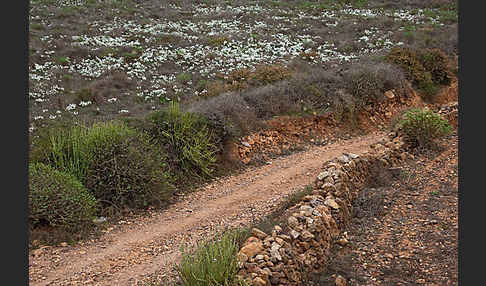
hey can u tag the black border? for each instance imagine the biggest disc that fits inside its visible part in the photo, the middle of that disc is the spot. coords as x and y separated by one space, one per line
467 91
15 26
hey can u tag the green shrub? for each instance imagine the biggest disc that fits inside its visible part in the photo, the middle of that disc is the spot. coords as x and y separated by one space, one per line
213 263
58 199
133 173
188 138
427 69
410 62
435 61
119 166
422 126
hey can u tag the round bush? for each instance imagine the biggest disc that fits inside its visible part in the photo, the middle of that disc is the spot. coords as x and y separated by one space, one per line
423 126
58 199
131 173
410 61
368 81
436 62
428 69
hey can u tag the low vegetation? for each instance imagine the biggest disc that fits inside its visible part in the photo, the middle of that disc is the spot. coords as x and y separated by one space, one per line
119 166
423 126
242 79
58 199
188 138
212 263
137 162
426 69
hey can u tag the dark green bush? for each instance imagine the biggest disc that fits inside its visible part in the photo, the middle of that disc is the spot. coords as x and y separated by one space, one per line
188 138
58 199
422 126
132 173
409 60
436 62
427 69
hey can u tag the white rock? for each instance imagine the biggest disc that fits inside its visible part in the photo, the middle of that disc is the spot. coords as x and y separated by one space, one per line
343 159
353 156
99 220
331 203
294 234
322 175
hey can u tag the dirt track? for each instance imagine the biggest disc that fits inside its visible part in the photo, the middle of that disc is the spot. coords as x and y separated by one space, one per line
149 246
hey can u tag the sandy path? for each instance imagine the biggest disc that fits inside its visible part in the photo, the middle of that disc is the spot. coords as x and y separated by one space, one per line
134 250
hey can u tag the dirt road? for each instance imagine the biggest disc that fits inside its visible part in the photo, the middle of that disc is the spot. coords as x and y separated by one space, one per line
136 249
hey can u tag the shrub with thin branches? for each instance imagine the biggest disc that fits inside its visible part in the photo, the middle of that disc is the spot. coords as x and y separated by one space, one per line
367 82
58 199
422 126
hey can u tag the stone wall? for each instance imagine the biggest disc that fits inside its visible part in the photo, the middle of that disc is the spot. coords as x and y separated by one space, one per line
315 223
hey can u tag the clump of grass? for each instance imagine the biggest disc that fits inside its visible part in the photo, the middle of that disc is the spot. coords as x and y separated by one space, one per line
58 199
422 126
212 263
72 149
188 138
184 77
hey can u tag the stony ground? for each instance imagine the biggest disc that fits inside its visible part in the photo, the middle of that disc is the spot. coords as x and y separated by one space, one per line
405 228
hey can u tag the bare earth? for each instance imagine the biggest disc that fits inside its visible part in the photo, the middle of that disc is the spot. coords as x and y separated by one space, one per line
405 229
134 250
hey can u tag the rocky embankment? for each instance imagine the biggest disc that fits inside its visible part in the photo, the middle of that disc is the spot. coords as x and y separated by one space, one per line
303 244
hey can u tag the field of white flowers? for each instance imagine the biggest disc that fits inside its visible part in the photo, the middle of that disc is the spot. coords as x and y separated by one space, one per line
169 50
